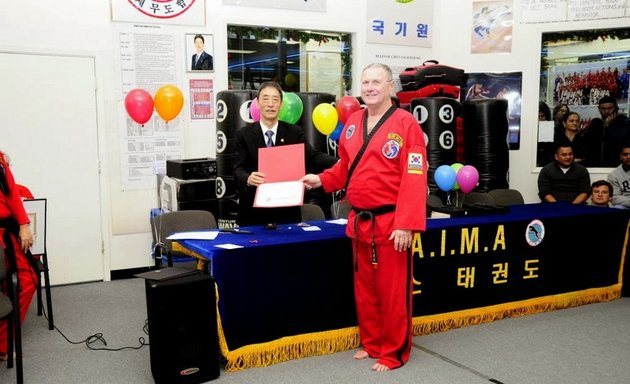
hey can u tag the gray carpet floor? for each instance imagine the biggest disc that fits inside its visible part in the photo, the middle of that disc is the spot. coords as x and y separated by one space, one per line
586 344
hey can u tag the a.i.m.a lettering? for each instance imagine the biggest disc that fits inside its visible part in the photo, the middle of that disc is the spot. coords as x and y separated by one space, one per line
468 243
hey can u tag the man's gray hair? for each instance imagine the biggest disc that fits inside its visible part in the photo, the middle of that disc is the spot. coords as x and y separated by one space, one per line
382 66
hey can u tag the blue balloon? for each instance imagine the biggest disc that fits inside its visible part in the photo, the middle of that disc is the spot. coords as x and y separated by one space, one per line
334 135
444 177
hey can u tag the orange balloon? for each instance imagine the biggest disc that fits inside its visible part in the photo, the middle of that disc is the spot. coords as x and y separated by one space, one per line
169 101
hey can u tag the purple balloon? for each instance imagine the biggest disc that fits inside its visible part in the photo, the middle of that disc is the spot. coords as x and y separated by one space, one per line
467 178
254 110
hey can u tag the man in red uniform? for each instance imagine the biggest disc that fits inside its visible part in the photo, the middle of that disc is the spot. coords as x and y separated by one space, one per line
387 189
15 233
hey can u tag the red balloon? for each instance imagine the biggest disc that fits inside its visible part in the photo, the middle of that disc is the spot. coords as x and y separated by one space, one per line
346 106
139 105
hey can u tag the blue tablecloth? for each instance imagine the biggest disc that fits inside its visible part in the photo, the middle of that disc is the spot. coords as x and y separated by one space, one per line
288 282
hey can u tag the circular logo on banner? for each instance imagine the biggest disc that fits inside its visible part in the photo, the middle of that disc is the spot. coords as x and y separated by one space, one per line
221 111
447 140
244 112
421 113
535 232
162 9
447 114
220 187
221 141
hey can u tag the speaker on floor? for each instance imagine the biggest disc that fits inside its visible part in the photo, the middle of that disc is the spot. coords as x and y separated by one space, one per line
184 346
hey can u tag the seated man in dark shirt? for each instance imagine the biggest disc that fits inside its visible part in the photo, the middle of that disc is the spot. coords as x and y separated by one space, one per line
563 179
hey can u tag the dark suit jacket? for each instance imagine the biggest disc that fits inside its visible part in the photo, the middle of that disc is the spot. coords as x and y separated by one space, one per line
248 140
203 64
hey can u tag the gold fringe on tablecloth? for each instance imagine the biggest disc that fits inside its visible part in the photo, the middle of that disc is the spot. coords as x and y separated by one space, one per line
423 325
322 343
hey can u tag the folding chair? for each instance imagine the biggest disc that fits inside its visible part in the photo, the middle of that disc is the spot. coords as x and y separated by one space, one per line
38 255
506 197
166 224
312 212
340 209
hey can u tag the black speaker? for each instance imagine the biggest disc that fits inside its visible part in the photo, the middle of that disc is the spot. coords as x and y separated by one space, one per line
184 345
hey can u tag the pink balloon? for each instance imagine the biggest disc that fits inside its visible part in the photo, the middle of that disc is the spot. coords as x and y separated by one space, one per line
254 110
467 178
139 105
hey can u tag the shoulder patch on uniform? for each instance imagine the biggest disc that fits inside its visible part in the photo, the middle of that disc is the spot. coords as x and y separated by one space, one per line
391 149
396 138
350 131
415 164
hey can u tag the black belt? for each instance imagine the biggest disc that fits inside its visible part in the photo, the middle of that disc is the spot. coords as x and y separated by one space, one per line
369 214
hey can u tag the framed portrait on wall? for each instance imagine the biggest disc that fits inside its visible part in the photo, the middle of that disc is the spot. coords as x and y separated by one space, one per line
199 52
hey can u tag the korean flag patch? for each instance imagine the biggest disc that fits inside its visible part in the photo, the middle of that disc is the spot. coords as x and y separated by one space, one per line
415 163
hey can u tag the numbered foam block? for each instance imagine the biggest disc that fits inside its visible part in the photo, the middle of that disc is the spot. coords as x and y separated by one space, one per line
232 111
437 117
225 164
226 187
225 146
486 141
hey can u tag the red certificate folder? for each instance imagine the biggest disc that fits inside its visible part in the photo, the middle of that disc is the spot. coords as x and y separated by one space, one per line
283 167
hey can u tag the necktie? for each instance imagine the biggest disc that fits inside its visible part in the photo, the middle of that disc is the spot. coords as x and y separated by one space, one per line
269 135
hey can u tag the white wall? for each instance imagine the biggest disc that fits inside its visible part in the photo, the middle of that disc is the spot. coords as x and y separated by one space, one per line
71 26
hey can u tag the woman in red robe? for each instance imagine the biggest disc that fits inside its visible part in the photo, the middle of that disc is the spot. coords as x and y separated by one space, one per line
15 234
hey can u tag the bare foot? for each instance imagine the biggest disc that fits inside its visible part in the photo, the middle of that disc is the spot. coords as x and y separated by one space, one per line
361 354
378 367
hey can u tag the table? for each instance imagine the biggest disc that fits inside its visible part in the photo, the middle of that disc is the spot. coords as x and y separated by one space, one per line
288 293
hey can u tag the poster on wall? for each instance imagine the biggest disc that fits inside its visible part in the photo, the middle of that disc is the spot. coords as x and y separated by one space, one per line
401 23
147 61
491 26
507 86
300 5
541 11
201 99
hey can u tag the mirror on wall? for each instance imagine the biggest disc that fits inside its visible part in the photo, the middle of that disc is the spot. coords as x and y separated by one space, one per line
578 70
299 60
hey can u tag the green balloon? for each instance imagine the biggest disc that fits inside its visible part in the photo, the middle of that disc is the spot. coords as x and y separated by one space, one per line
456 167
291 109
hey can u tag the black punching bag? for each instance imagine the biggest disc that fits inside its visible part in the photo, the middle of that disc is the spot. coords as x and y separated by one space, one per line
319 141
486 141
232 114
437 117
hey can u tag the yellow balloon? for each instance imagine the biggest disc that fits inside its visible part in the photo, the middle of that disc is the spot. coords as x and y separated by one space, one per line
169 101
325 118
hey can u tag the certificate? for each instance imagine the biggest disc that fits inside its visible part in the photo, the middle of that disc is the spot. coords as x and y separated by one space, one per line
283 167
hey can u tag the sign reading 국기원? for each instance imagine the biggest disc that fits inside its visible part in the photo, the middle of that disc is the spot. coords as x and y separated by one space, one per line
400 22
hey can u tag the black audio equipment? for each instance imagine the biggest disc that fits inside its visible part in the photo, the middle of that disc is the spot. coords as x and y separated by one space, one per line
184 346
185 169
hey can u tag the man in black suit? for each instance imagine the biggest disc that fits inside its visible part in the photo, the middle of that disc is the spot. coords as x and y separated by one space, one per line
201 61
269 131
